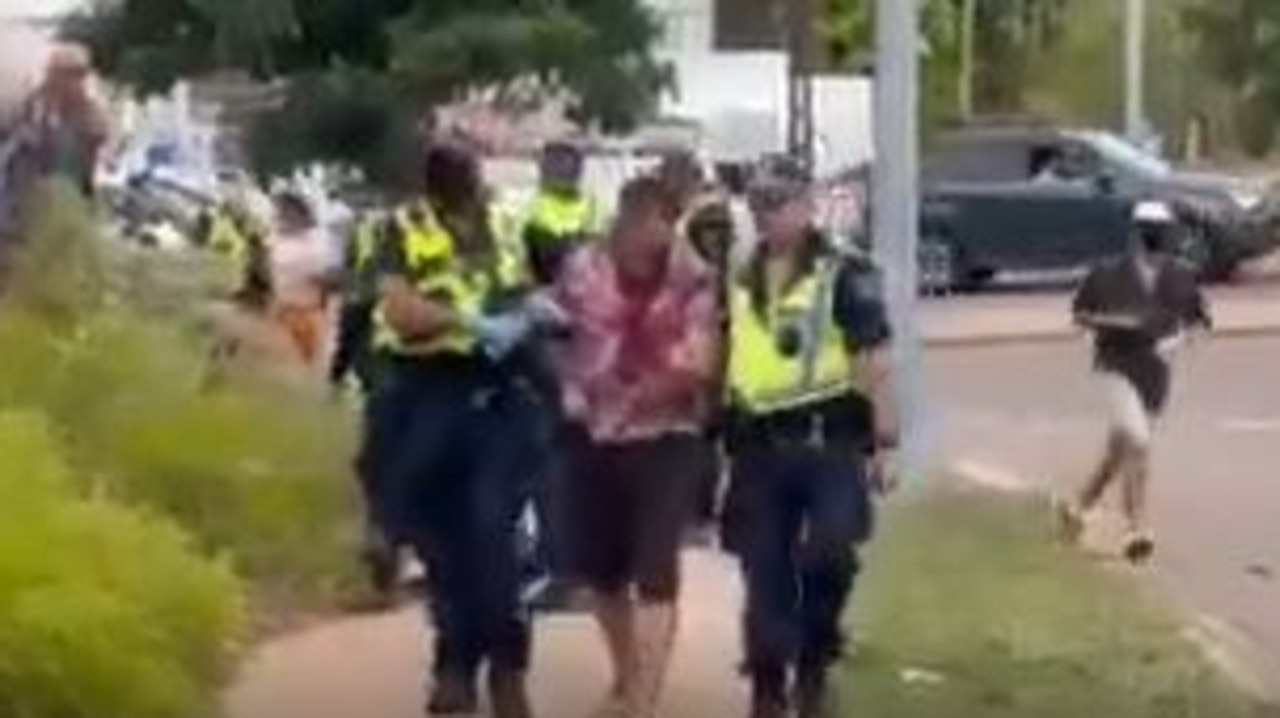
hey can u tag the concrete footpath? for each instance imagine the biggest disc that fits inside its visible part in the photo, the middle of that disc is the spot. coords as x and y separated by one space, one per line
372 667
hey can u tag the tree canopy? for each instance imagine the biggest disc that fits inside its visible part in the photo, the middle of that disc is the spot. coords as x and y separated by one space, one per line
370 64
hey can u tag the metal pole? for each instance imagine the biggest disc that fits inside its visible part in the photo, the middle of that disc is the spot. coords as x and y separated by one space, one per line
1135 23
895 208
968 31
800 40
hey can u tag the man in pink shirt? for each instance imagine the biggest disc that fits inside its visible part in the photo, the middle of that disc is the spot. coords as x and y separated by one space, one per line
636 369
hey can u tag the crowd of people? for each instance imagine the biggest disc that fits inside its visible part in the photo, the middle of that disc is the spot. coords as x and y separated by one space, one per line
605 375
706 358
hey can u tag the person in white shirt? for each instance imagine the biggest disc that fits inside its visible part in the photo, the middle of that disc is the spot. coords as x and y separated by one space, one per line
301 267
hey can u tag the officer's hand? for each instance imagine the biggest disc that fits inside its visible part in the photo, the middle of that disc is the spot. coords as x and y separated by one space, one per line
544 311
499 335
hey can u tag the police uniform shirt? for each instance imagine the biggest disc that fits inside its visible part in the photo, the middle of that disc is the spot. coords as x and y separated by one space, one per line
390 259
860 315
859 305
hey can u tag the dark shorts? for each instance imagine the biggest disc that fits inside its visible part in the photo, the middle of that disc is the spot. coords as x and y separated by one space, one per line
629 506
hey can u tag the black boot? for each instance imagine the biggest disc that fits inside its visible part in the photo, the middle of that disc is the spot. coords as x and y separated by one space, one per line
453 694
769 694
381 559
812 696
508 694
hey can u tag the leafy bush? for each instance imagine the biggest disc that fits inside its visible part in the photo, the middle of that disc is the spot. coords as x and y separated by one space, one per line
254 471
104 611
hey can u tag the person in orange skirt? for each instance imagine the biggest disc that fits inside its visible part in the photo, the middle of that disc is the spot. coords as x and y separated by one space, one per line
301 269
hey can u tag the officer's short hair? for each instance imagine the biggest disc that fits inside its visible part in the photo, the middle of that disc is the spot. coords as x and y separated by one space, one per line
451 173
562 159
562 150
774 193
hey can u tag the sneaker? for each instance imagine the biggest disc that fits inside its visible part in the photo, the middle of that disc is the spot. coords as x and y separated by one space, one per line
452 695
1139 547
1070 522
508 694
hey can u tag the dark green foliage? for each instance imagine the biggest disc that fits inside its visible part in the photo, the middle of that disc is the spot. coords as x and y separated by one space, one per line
361 74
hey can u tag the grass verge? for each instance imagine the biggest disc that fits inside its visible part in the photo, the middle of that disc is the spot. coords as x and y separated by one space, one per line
971 611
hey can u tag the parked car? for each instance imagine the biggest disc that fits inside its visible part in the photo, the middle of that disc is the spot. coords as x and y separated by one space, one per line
1014 198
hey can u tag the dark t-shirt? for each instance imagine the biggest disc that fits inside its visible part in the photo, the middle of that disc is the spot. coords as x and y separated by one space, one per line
1171 303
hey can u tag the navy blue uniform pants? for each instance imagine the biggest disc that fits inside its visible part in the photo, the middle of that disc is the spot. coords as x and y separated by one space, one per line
795 515
448 448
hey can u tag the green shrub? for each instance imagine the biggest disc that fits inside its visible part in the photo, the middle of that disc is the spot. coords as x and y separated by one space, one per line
254 471
104 611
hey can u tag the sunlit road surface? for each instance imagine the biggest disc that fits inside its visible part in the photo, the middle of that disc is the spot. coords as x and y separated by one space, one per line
1031 413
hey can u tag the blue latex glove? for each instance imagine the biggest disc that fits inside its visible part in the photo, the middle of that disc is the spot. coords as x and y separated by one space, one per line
500 334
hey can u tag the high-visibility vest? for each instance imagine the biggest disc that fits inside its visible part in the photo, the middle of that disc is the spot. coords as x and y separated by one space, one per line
563 217
764 374
438 273
226 239
366 243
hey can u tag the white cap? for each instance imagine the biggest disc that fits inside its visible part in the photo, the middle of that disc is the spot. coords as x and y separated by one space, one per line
1152 212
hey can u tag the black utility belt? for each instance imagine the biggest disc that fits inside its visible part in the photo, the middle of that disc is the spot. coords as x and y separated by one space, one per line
843 422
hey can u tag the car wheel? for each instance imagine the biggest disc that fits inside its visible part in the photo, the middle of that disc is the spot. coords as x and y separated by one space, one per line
940 271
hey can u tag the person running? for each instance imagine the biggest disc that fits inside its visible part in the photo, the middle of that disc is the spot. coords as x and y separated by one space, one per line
636 367
1140 308
443 448
809 425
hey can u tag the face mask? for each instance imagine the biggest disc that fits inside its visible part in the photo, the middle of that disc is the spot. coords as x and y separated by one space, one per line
1154 239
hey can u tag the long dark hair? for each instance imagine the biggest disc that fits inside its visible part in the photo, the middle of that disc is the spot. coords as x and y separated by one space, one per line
810 253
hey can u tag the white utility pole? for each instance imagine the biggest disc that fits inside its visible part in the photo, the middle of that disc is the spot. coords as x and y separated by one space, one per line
895 209
1135 30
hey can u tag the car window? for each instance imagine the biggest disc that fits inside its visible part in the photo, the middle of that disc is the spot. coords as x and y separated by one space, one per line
1115 150
979 159
1080 160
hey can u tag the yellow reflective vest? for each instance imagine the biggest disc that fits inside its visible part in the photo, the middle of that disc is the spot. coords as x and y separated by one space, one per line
439 273
563 217
226 239
790 353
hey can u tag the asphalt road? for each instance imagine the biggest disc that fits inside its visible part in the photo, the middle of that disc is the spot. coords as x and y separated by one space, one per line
1032 413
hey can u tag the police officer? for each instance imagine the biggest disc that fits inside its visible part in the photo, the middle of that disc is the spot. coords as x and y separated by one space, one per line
442 428
562 214
562 217
803 374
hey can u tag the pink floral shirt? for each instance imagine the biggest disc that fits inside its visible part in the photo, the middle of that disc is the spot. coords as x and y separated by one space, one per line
636 369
